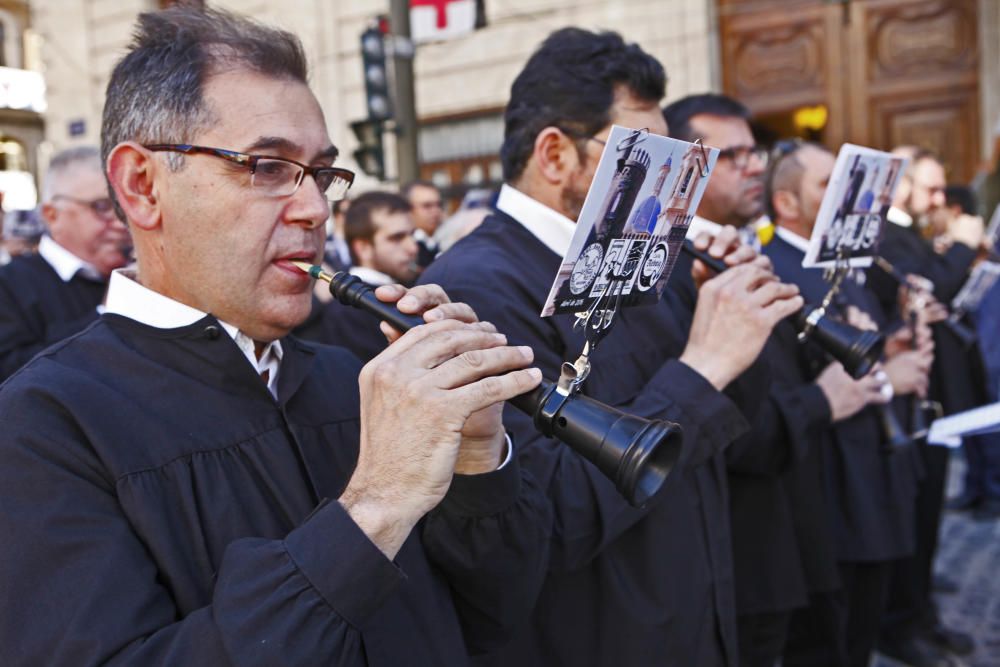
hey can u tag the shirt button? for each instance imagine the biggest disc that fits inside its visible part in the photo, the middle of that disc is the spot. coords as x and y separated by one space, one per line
211 332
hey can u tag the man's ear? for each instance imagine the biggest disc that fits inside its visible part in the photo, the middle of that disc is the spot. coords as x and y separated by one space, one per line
556 155
786 204
131 172
363 250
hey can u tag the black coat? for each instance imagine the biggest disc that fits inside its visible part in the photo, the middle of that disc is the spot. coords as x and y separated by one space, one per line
38 309
159 506
354 329
871 492
958 379
769 572
626 586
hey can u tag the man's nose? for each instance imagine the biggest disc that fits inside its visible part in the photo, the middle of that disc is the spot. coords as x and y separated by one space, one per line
309 205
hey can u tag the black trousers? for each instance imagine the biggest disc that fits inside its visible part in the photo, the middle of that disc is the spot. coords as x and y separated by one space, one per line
910 605
762 638
840 628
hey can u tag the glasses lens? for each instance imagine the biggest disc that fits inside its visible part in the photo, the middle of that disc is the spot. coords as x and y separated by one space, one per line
276 177
333 182
102 206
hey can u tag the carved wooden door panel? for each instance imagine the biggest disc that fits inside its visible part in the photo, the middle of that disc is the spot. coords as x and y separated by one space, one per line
889 71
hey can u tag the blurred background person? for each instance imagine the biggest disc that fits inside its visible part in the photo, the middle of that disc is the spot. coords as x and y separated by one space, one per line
428 214
22 231
379 231
50 295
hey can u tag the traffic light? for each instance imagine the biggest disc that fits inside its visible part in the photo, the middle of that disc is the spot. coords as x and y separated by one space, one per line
376 75
369 155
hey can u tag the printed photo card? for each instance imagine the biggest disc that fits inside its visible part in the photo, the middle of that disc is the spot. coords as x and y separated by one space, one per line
645 192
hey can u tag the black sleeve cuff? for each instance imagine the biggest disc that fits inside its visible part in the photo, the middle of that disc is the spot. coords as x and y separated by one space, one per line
338 559
484 494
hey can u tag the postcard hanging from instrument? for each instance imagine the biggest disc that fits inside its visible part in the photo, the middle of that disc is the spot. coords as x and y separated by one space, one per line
645 192
854 209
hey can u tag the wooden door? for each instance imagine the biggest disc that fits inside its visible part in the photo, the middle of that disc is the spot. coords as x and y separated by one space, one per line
889 72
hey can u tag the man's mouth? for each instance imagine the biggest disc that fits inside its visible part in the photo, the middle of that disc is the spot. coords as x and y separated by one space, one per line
287 261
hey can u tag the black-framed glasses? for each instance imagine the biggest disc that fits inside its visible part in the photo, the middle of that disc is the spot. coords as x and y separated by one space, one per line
272 175
102 206
740 156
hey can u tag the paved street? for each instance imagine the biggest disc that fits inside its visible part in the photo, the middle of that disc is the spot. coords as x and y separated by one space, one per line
970 554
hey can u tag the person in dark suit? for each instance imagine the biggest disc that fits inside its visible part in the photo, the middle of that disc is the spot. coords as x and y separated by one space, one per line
48 296
188 484
871 490
913 628
626 586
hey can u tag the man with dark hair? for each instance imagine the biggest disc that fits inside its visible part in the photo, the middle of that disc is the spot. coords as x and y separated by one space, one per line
870 490
379 232
734 194
771 575
428 214
49 296
626 586
187 484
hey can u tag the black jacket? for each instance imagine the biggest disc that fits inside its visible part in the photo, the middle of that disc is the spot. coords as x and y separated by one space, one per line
160 507
871 492
38 309
626 586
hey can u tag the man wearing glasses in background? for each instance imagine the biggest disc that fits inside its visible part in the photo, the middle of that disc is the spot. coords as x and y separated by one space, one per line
183 483
49 296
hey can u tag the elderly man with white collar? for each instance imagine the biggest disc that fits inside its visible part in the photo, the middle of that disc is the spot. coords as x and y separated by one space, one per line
49 296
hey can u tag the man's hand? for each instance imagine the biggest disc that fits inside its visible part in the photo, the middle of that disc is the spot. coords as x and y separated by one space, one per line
909 369
967 229
735 314
483 441
846 395
417 398
725 246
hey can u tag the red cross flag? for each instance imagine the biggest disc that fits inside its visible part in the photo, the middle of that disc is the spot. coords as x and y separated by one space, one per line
435 20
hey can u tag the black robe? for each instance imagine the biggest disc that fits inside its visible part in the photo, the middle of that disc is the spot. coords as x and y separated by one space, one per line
626 586
770 575
159 506
38 309
871 492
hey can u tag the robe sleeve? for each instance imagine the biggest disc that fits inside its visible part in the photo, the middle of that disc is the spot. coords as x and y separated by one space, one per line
784 423
80 588
589 513
489 538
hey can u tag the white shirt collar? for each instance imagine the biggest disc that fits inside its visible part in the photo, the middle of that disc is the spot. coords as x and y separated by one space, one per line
371 276
899 217
63 262
549 226
128 298
792 239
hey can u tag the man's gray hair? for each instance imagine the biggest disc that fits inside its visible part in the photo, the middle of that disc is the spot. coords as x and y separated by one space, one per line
155 94
65 160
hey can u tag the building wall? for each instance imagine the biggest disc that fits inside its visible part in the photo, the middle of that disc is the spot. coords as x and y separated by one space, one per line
84 38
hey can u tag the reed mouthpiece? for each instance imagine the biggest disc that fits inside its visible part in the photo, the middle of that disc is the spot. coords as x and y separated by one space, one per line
314 270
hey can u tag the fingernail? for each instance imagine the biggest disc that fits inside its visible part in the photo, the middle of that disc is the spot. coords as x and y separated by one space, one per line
408 302
433 315
535 373
525 351
500 338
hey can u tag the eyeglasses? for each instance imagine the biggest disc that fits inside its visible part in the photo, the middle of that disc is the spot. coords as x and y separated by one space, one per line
576 134
740 155
271 175
102 206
